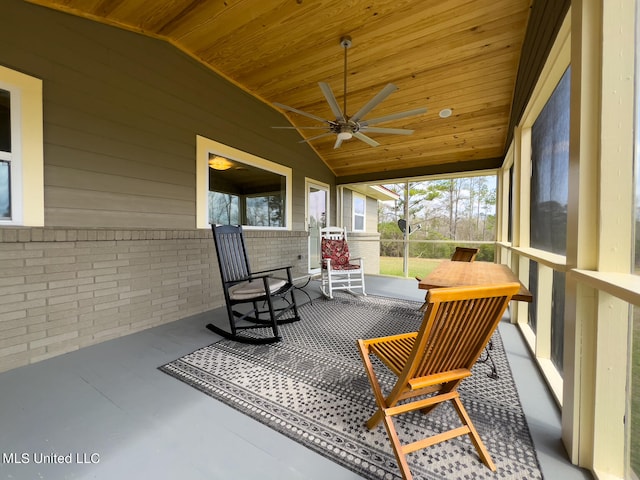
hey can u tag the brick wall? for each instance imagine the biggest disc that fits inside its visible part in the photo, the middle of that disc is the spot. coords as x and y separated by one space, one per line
64 289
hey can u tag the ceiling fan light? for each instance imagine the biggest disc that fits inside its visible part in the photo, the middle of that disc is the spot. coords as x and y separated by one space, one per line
345 135
220 163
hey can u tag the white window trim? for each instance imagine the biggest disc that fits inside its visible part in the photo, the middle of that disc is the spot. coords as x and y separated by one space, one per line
206 146
355 195
26 157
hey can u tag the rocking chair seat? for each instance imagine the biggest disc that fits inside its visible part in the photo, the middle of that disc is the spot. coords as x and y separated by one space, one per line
348 266
255 288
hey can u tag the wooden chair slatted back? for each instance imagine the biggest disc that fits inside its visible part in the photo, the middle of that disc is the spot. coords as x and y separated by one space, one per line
232 253
457 325
464 254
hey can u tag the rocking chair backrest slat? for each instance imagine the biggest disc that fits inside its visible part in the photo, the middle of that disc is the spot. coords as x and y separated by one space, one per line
457 325
232 253
333 233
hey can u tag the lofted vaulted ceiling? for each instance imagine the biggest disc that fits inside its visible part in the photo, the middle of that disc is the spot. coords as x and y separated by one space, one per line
456 54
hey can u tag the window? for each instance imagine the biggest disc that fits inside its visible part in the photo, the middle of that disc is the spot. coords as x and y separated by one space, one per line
5 155
359 209
21 158
235 187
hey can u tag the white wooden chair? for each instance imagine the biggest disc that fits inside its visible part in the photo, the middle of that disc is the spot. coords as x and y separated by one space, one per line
339 270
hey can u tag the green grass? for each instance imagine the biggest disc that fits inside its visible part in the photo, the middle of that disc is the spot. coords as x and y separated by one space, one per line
417 266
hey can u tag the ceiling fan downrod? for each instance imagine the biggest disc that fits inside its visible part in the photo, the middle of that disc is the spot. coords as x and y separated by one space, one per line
345 42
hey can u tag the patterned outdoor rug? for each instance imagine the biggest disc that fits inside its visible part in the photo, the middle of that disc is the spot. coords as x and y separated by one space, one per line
312 387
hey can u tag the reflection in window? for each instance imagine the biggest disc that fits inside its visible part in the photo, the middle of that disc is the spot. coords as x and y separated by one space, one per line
224 209
550 171
243 194
264 211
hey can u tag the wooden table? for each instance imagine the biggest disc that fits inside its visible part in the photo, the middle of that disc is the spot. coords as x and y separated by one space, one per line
457 274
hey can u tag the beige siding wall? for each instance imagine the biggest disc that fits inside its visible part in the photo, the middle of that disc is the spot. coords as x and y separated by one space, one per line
120 251
121 115
367 246
363 244
64 289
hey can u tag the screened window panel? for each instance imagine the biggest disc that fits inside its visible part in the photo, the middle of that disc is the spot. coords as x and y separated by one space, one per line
635 394
511 212
550 171
557 320
533 288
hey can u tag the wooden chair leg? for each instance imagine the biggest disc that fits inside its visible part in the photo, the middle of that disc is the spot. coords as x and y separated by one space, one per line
397 448
473 434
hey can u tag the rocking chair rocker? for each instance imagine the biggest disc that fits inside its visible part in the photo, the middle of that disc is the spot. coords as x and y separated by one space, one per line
241 286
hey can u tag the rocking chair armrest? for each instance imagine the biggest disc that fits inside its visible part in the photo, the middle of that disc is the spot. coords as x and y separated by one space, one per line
272 270
251 277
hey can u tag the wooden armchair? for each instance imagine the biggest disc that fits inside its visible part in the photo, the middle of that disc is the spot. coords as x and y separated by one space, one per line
242 287
464 254
432 362
461 254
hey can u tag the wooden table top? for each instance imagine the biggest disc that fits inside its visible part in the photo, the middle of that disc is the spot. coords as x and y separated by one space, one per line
455 274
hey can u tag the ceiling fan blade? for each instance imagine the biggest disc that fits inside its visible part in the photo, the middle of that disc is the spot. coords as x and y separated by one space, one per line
331 100
300 112
366 139
338 142
393 116
304 128
306 140
384 93
394 131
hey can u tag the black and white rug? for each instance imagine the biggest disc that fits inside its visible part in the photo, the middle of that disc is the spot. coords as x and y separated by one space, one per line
312 387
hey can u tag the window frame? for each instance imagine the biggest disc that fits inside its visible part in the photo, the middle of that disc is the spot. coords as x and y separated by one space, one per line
206 147
26 158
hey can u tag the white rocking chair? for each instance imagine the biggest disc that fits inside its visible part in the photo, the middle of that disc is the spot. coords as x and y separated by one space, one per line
339 271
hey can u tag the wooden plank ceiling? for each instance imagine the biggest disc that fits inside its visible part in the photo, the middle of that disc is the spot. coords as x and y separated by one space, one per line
456 54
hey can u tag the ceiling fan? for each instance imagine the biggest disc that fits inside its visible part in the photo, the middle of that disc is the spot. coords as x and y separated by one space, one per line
346 127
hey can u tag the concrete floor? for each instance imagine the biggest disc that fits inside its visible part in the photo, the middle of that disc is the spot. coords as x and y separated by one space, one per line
111 414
